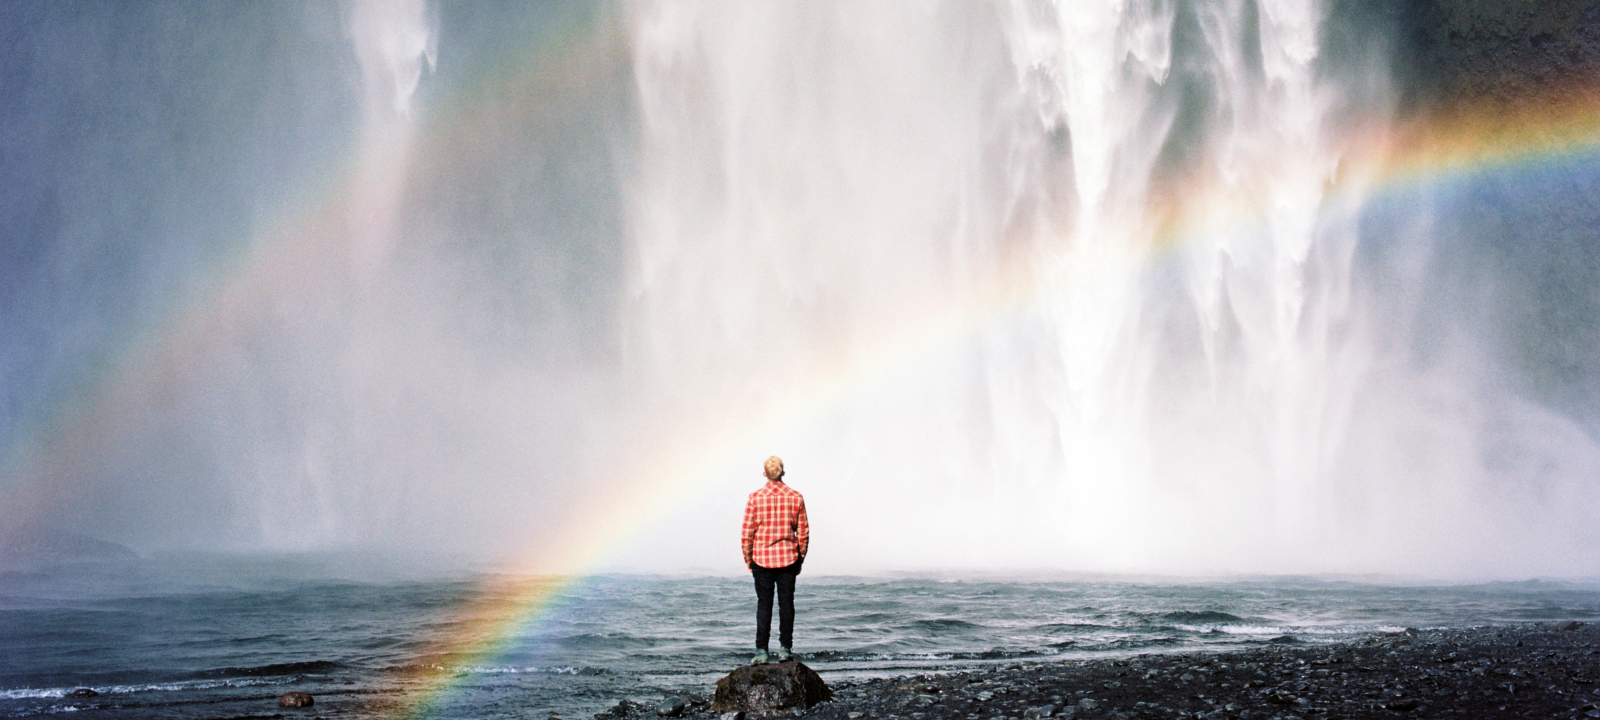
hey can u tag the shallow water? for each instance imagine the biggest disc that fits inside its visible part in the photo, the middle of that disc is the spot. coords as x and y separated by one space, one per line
226 640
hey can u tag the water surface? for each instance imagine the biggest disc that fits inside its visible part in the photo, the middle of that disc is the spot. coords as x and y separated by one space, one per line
202 643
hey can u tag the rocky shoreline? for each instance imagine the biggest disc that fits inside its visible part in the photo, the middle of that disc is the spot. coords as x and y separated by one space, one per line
1528 671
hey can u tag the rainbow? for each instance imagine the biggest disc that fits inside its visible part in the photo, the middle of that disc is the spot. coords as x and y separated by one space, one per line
1460 146
305 245
502 609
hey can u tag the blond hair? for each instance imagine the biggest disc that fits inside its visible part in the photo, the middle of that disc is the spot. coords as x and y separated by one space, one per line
774 468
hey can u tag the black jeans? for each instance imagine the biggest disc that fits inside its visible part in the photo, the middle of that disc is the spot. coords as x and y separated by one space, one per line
783 578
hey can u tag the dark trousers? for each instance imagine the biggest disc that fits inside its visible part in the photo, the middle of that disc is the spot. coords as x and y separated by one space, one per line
783 578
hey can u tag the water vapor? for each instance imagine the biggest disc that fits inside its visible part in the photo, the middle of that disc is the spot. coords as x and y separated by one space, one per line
1131 285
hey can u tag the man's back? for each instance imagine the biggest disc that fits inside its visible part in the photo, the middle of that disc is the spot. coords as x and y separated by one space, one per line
776 530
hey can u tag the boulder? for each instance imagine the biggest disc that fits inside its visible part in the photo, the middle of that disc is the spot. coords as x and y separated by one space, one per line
296 699
1568 625
770 689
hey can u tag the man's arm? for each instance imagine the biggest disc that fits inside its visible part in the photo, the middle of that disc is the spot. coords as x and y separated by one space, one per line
802 531
747 533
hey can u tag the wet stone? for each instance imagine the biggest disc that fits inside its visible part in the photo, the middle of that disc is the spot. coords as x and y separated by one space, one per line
294 699
1403 705
672 707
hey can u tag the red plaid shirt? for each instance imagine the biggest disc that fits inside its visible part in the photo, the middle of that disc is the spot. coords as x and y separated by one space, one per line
776 532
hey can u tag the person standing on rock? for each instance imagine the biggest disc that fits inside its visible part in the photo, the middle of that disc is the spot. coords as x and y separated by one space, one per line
774 539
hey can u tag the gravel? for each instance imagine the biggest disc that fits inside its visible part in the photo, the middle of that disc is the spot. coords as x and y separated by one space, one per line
1524 671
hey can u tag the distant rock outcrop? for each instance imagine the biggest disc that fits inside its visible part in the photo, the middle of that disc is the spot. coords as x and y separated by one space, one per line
39 546
770 689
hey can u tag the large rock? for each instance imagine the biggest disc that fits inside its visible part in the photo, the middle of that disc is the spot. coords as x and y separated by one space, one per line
770 689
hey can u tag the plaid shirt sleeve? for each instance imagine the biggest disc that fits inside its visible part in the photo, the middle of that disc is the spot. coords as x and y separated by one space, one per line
803 530
747 533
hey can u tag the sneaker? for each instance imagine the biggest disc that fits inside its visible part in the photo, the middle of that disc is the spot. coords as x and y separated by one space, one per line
784 654
760 658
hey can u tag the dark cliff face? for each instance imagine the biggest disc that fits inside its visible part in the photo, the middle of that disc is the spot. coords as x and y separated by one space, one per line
1509 51
1513 245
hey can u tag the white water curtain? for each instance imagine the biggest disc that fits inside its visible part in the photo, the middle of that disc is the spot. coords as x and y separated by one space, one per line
1085 270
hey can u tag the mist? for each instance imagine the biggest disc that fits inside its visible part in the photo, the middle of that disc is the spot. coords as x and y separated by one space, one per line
1089 287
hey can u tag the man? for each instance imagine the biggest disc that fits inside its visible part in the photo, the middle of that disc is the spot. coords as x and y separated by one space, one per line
775 537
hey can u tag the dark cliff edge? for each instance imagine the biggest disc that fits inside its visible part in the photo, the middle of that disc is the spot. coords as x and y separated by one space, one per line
1450 52
1481 85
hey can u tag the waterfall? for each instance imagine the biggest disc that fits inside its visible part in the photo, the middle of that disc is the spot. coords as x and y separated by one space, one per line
1125 285
328 472
394 42
1088 269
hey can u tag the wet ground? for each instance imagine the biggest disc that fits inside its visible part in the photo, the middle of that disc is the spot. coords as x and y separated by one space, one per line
1548 670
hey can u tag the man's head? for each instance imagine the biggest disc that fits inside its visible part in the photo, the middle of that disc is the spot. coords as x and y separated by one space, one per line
774 468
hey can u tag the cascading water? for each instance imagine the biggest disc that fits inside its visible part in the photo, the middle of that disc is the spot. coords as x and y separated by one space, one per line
313 484
1091 285
393 43
1109 247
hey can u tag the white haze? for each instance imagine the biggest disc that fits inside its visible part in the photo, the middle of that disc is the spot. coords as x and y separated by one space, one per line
907 246
811 181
